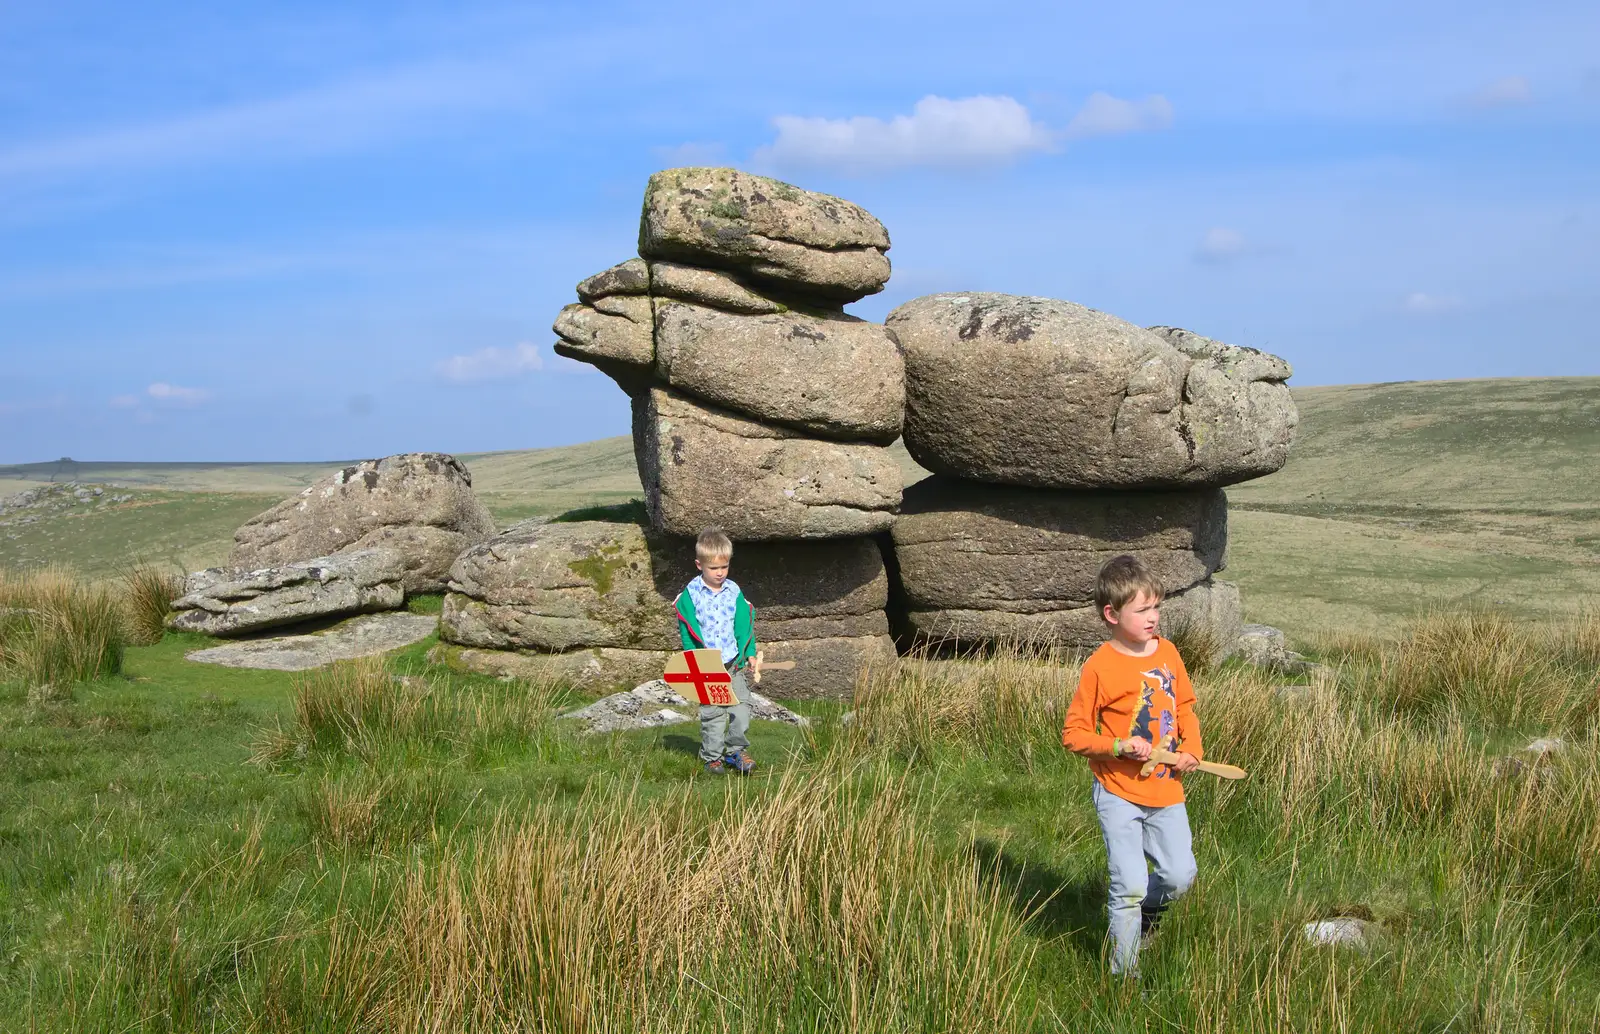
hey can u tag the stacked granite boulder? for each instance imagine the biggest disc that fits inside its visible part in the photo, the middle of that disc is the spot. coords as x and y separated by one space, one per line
1059 437
759 406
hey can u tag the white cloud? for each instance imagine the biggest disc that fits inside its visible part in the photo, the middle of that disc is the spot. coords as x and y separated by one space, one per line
1417 301
971 131
1505 92
490 363
164 392
1105 115
1220 245
124 401
963 133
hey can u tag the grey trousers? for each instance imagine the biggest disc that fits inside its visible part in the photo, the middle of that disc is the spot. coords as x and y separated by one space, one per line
1134 834
724 730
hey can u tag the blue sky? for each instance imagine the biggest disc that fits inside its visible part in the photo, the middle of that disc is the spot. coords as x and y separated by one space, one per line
298 230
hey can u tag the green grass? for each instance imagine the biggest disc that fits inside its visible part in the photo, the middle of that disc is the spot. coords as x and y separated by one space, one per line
385 846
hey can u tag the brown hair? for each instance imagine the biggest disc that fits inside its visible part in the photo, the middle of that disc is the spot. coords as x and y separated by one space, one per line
1121 579
713 542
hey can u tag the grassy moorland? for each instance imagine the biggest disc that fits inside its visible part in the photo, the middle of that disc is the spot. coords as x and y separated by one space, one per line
384 846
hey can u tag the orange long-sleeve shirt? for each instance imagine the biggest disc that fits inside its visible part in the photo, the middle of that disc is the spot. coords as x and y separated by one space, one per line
1120 697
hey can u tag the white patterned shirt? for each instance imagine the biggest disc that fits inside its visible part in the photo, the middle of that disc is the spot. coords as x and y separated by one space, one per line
714 611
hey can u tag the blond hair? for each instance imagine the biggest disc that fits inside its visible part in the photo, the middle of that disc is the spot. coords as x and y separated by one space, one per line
1121 579
713 542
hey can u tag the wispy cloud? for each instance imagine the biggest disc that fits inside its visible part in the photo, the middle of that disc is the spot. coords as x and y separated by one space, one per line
1221 245
176 395
490 363
1105 115
332 118
124 401
1508 91
1421 302
967 132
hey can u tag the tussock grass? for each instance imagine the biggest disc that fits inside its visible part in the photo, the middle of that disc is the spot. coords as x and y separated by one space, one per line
56 629
1490 669
818 903
147 595
359 708
1010 700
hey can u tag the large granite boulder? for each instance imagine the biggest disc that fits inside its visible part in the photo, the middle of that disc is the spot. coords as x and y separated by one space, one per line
591 602
418 504
1046 393
804 243
965 546
702 466
1213 603
229 601
555 587
828 374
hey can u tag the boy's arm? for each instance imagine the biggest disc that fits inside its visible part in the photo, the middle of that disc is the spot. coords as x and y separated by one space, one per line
1188 722
1078 731
686 634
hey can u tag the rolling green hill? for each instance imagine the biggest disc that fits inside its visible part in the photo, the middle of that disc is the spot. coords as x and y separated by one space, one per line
1396 497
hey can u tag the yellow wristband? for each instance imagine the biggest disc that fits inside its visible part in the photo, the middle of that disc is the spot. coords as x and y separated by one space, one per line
1116 748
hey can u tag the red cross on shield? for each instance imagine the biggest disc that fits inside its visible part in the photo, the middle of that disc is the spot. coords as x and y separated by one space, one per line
701 674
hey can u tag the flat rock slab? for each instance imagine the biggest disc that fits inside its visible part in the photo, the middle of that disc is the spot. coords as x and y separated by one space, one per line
654 704
358 637
234 601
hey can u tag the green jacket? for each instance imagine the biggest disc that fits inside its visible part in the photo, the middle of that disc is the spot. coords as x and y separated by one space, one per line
744 631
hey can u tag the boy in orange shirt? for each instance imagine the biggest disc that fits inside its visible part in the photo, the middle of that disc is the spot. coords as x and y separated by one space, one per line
1134 695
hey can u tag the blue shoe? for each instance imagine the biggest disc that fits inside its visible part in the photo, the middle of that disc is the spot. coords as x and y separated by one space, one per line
741 762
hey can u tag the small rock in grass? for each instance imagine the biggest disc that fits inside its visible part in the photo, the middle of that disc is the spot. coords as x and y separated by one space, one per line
1347 930
1545 745
653 704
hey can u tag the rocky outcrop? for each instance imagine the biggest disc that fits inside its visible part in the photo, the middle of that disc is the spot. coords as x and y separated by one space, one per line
593 601
1214 603
703 466
236 601
966 546
419 505
1045 393
812 244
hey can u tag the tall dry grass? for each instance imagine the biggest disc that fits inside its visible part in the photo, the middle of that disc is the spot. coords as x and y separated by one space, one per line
56 629
1010 700
358 707
817 906
147 595
1492 670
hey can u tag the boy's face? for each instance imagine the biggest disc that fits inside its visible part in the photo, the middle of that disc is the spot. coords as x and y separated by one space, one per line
1135 624
713 571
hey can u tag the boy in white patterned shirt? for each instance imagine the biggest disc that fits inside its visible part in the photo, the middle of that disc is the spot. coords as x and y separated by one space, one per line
713 614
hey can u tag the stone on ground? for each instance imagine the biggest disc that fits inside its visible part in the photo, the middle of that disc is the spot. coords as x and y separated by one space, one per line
364 636
654 703
703 466
807 243
966 546
1045 393
230 601
828 374
1267 647
1342 930
420 504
